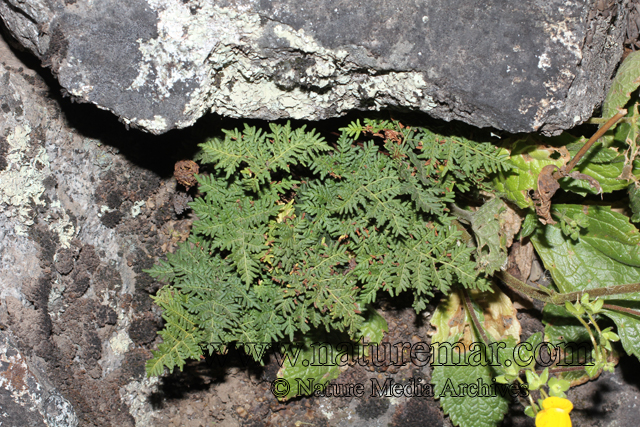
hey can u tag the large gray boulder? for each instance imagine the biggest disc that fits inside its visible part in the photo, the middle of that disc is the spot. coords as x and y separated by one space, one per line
161 64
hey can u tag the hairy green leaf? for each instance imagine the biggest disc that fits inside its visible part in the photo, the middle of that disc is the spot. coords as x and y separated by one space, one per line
627 133
606 253
628 328
322 354
529 156
626 81
468 393
316 365
493 226
634 202
373 327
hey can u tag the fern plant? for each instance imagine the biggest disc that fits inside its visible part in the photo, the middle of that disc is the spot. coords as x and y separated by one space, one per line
294 235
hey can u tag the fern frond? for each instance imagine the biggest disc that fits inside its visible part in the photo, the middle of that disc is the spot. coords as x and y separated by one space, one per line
181 334
272 255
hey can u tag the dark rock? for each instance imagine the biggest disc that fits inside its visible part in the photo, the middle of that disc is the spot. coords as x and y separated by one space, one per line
107 278
518 66
64 260
63 273
372 407
133 367
418 412
78 286
3 151
89 259
111 219
24 399
106 315
114 200
143 331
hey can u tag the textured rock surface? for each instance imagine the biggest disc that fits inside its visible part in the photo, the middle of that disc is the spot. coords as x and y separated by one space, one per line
25 399
161 64
76 222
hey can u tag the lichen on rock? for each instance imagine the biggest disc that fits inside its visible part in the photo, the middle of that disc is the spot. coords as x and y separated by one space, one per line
162 64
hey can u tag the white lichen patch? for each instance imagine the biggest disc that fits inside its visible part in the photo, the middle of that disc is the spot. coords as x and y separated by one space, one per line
18 142
215 54
136 395
544 61
564 33
140 80
21 183
305 43
392 88
257 93
560 34
158 124
61 226
120 342
103 210
137 208
555 95
183 44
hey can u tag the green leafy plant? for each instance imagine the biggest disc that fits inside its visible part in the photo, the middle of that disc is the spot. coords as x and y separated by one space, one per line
294 236
590 250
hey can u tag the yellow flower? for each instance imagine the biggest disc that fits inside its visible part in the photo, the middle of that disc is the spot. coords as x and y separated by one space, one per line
555 413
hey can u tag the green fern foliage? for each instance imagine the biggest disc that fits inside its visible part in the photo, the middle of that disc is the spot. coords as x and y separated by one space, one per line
294 235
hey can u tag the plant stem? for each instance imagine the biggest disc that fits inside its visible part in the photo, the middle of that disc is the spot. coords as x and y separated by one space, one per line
567 369
531 402
559 299
595 325
476 322
569 166
524 288
543 393
622 309
601 120
593 339
462 214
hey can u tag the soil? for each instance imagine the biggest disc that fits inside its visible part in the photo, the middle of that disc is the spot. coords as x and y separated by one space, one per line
205 395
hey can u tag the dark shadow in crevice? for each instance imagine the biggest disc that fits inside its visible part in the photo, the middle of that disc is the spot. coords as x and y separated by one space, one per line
202 375
157 153
629 368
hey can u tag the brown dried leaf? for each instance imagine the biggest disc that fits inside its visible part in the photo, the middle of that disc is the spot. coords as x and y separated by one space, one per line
594 183
547 187
185 171
520 260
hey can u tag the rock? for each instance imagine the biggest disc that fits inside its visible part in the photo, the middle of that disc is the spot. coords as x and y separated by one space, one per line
25 400
74 296
161 64
63 260
66 289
